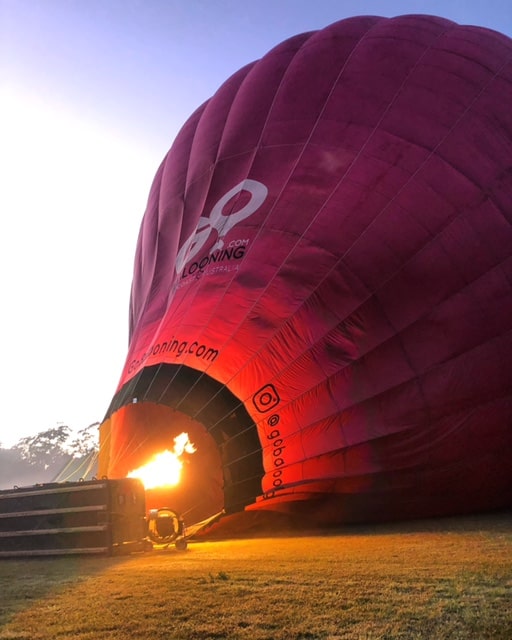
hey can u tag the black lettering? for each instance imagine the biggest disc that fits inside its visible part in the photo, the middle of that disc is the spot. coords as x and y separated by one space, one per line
211 354
273 420
226 254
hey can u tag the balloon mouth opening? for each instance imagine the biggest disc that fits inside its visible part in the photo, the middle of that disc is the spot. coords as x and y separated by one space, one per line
225 470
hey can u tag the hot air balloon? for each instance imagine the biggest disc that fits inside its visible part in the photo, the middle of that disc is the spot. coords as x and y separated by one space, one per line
322 294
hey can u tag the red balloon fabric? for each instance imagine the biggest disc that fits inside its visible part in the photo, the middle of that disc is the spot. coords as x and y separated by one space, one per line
323 276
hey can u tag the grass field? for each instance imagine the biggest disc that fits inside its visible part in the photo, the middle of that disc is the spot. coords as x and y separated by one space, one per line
435 579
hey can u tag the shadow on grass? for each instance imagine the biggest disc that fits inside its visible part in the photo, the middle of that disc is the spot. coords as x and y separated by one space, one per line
25 580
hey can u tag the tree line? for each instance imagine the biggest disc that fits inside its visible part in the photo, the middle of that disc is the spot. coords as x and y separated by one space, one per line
55 454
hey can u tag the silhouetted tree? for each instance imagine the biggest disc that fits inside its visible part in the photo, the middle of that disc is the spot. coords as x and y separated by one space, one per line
85 441
45 449
51 455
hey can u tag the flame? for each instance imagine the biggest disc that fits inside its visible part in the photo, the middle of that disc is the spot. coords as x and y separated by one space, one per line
164 468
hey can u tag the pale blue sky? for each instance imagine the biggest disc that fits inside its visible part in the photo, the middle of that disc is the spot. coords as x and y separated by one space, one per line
92 94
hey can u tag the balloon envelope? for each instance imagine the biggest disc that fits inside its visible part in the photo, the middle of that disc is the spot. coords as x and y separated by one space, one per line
323 280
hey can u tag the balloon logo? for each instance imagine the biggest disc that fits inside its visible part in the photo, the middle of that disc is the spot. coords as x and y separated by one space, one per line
266 398
220 223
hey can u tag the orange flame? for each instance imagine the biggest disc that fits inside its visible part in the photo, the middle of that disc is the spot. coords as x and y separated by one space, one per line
164 468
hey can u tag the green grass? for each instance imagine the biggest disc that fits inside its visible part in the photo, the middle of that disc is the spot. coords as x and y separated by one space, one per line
434 579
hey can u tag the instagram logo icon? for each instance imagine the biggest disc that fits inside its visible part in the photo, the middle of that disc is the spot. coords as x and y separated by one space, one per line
266 398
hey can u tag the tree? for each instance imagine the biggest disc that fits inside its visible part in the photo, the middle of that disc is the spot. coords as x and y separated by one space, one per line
46 448
85 442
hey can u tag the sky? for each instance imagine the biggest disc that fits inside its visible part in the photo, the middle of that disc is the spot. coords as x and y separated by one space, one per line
92 95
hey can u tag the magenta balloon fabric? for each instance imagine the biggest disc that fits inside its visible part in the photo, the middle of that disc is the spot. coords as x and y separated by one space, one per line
330 240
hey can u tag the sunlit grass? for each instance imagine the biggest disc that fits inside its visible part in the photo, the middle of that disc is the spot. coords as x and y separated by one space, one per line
435 580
